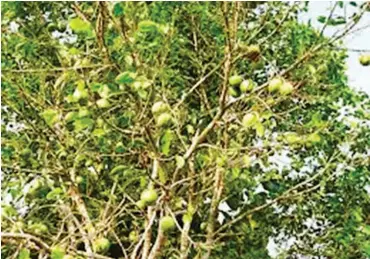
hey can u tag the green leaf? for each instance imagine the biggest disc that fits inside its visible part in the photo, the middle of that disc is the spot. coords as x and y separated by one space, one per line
57 253
260 129
166 142
147 26
321 19
50 116
162 175
54 194
125 78
366 248
117 169
24 254
78 25
118 10
83 123
180 162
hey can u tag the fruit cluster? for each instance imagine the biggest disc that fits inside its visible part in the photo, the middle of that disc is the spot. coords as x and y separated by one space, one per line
239 86
278 84
161 113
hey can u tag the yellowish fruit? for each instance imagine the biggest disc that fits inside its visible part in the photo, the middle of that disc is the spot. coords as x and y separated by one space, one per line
253 50
292 138
103 103
149 196
167 223
79 179
250 119
235 80
314 138
275 84
163 119
159 107
68 257
133 236
364 60
141 204
246 85
70 116
101 244
286 88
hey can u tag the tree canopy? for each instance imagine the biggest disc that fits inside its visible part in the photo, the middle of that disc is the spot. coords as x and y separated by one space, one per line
181 130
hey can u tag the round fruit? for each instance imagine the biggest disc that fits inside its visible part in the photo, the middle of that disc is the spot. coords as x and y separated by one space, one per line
149 196
314 138
159 107
235 80
103 103
253 50
70 116
286 88
80 94
79 179
101 244
133 236
292 138
364 60
141 204
203 225
163 119
167 223
275 84
250 119
246 85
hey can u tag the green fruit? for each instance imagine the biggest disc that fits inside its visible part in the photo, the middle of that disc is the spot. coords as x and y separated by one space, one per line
101 244
167 223
141 204
203 225
83 113
292 138
133 236
163 119
314 138
103 103
364 60
253 50
286 88
159 107
70 116
147 26
246 85
39 228
235 80
79 179
250 119
57 252
149 196
275 84
80 94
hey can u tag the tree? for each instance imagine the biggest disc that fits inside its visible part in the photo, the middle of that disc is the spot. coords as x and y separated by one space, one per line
180 130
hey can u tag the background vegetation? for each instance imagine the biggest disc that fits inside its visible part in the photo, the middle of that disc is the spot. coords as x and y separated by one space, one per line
180 130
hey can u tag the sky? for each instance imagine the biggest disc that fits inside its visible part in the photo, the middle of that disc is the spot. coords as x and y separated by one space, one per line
358 75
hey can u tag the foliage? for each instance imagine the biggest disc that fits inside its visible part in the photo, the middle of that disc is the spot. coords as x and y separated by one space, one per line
152 130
